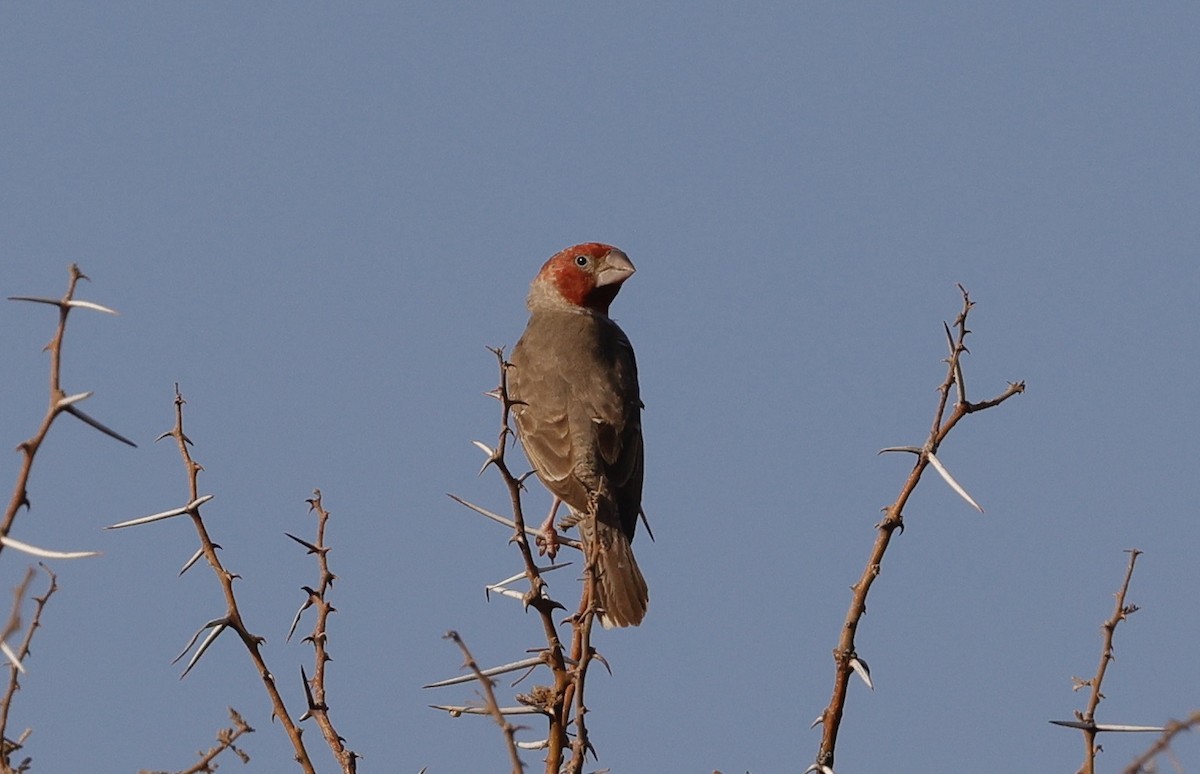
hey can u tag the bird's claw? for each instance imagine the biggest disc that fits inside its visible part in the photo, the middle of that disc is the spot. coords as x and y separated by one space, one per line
547 539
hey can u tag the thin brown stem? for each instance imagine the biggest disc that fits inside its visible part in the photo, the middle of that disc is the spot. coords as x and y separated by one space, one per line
226 740
489 693
1121 611
318 706
845 653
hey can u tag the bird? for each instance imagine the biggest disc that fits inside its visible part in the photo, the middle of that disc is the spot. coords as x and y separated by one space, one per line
573 384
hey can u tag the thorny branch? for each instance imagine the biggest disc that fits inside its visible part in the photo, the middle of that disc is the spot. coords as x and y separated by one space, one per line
60 402
9 746
1121 611
562 701
314 689
232 619
582 653
514 758
845 655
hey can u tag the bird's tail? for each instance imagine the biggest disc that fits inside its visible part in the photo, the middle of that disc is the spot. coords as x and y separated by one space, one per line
622 595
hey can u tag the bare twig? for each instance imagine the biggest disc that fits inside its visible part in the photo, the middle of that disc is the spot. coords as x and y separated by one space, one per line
845 655
318 707
226 740
493 708
22 652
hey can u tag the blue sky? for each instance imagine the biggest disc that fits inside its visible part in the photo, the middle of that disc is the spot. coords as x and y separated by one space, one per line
315 218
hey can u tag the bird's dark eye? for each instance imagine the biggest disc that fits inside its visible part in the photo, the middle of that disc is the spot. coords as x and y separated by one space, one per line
581 260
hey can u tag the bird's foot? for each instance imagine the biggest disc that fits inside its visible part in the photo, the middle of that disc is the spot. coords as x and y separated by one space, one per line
547 538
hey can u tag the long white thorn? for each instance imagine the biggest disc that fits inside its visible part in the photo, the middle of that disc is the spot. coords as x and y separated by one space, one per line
81 304
73 399
469 710
11 656
193 505
209 640
524 663
566 541
44 553
949 479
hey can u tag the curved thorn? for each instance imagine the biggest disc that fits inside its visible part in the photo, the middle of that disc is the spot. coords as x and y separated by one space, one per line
209 640
949 479
44 553
195 558
308 697
223 621
79 304
506 592
909 449
862 670
71 399
296 621
11 656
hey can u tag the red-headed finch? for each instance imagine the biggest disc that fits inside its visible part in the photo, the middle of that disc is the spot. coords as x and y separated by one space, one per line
579 416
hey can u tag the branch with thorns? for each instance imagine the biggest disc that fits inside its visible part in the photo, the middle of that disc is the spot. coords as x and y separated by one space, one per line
314 689
846 658
60 403
17 658
231 619
510 731
561 702
1086 721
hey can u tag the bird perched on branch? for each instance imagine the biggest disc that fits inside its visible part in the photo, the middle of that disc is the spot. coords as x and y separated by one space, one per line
578 411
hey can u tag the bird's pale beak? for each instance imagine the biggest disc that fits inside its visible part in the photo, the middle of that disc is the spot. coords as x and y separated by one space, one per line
615 268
